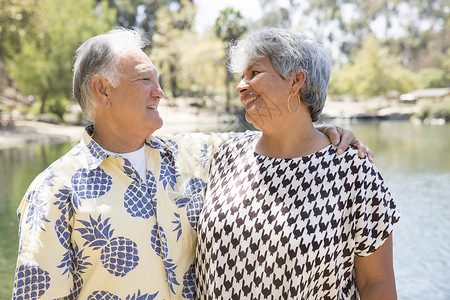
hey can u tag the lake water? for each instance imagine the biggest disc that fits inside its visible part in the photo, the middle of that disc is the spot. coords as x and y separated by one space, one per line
413 159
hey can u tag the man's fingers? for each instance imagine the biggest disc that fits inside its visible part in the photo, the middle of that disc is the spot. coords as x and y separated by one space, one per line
370 154
333 134
363 150
347 139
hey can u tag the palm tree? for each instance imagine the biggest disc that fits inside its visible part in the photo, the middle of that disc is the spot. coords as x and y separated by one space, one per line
230 25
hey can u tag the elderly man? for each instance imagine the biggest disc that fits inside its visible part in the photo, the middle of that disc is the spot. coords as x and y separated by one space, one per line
116 217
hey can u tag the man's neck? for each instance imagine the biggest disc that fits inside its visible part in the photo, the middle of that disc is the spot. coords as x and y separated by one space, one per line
115 140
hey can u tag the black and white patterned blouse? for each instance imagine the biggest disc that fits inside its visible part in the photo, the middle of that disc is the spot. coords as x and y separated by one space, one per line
275 228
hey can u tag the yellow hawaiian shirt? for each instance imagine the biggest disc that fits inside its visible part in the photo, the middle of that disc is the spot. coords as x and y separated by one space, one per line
92 228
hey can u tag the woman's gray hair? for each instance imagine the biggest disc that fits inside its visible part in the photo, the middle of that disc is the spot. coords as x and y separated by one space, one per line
289 52
99 56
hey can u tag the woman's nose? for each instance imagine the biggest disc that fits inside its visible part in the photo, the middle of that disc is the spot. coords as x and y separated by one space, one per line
242 87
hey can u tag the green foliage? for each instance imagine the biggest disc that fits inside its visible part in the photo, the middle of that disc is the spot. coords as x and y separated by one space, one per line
44 66
276 16
17 23
169 46
405 25
373 73
230 25
58 107
432 78
37 40
436 110
146 15
202 69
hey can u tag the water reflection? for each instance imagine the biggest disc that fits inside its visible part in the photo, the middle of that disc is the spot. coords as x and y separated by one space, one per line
414 160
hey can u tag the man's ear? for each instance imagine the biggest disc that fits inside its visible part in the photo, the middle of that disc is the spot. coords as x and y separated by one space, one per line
99 89
298 80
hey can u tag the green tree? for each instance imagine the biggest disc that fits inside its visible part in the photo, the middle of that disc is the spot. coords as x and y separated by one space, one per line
373 73
145 14
200 70
229 26
432 78
174 22
274 15
17 23
404 25
43 67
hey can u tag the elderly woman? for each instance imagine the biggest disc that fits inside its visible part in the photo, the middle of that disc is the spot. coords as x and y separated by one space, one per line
284 216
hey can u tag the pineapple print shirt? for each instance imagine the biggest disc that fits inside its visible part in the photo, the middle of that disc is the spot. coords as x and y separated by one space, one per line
92 228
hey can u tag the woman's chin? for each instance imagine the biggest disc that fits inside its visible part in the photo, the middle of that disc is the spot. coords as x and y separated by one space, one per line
252 120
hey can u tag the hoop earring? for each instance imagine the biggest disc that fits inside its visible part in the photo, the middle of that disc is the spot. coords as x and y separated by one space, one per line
289 104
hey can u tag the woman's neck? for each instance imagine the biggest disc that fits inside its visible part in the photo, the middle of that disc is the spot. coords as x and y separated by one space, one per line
293 142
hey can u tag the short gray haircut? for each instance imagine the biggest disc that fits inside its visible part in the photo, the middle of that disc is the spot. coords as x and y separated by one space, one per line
99 56
289 52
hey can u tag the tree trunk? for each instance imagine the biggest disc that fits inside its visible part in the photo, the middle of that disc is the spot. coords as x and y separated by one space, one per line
43 100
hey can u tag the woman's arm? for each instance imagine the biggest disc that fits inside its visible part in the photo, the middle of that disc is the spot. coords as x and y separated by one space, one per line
375 274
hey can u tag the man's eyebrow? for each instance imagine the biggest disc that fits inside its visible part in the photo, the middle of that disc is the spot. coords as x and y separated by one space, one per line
148 69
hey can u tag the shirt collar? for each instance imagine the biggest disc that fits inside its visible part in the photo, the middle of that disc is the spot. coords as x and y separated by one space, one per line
96 154
92 151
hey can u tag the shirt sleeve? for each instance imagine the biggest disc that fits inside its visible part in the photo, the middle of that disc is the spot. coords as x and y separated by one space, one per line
375 212
44 263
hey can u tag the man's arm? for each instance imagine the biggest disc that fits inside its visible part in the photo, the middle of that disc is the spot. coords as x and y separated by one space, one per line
44 261
375 274
344 138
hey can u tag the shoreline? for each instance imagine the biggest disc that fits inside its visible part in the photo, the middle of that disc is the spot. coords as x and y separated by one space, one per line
181 117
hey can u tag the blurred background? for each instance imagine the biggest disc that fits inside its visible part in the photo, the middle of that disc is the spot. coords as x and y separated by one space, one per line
390 85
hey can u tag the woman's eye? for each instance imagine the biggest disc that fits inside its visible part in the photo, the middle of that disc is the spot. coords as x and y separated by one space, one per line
254 73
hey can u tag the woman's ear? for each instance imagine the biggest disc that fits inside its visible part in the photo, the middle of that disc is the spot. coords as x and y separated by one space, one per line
298 80
99 89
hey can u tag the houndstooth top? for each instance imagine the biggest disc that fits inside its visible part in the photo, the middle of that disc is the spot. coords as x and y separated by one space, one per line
276 228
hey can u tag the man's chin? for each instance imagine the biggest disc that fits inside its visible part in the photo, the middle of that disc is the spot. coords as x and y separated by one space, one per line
156 124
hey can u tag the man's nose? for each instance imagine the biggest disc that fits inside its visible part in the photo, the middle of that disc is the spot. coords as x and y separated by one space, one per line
158 92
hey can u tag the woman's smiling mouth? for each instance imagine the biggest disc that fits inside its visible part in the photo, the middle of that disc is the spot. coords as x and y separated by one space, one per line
248 101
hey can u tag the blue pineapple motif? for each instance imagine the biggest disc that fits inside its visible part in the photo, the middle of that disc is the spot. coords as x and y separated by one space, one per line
170 274
158 241
140 199
79 265
189 283
119 254
91 184
169 172
93 154
63 228
140 296
178 227
31 282
204 154
102 295
200 139
169 153
37 209
193 200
